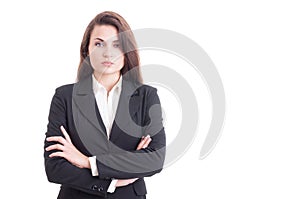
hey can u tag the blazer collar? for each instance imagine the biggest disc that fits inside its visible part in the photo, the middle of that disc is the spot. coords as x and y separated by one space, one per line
85 87
84 100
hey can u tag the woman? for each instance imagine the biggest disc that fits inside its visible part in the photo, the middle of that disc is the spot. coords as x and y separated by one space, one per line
105 132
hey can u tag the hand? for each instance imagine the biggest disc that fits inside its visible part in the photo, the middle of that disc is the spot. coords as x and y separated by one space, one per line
67 150
145 141
121 183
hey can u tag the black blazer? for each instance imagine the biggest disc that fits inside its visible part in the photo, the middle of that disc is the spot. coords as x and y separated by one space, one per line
74 107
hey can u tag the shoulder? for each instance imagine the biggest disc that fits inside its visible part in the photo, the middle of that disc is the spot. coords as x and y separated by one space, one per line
146 89
137 89
64 90
149 94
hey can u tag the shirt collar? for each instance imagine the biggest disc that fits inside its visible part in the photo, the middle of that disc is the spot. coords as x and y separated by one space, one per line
98 86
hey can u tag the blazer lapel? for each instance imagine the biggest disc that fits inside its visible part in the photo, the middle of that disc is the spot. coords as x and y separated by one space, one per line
84 100
128 106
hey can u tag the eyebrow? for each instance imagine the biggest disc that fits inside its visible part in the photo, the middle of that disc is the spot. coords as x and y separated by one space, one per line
99 39
103 40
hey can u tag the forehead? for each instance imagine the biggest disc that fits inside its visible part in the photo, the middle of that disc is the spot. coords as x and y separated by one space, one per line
104 32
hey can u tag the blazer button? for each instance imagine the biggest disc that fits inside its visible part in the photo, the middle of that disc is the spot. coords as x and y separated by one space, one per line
100 189
94 187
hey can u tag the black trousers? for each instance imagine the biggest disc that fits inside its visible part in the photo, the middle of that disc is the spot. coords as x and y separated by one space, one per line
120 193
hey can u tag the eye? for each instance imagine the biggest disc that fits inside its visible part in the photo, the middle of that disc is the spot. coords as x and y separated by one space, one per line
116 45
99 44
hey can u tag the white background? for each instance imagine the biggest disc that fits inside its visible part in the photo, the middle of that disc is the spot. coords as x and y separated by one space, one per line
255 47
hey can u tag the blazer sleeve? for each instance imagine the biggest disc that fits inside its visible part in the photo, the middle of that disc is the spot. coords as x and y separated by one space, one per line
59 170
145 162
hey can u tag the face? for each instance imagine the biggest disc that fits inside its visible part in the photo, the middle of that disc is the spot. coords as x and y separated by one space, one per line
104 50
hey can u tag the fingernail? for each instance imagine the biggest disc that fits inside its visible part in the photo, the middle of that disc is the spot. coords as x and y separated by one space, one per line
148 136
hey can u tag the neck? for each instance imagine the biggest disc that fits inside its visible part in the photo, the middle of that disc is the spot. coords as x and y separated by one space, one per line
107 80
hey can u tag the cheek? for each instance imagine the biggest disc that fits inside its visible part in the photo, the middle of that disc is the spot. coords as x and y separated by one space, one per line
90 49
118 56
95 58
120 60
117 53
94 51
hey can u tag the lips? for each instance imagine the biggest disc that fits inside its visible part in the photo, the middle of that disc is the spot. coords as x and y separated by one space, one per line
107 63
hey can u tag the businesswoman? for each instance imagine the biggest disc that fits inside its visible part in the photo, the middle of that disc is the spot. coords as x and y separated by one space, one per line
105 132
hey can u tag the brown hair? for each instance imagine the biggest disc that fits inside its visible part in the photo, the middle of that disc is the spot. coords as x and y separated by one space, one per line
127 43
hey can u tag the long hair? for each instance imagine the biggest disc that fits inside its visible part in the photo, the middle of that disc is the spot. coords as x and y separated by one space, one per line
127 43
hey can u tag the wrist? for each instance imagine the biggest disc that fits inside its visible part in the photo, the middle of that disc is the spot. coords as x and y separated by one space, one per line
86 163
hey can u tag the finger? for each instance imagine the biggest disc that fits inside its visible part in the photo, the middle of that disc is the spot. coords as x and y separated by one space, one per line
55 147
147 142
59 139
125 182
141 144
133 180
57 154
63 130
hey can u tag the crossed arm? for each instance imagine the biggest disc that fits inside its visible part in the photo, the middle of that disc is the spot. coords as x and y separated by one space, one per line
67 165
65 149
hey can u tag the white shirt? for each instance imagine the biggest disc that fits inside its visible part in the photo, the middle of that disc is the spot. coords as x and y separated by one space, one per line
107 103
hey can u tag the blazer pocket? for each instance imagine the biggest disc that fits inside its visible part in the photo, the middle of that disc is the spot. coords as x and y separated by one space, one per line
140 187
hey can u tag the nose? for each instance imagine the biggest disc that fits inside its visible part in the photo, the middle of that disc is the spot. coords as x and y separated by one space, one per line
107 53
